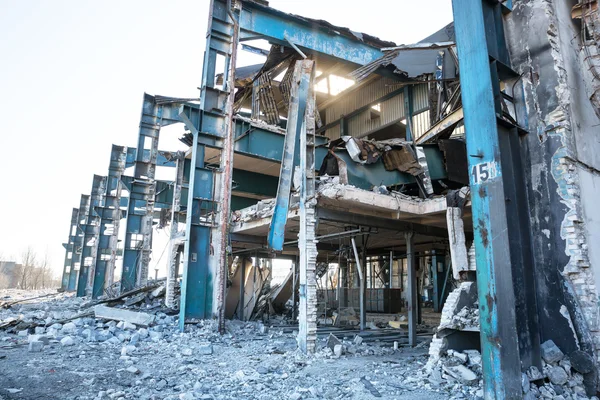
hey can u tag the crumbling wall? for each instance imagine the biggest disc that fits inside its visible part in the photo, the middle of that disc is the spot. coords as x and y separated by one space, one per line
560 167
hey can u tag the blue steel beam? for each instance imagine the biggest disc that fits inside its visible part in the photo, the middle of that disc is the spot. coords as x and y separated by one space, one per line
508 335
91 231
297 109
281 28
84 205
69 247
110 217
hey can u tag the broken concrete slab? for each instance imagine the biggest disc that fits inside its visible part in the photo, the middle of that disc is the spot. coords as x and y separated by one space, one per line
133 370
36 346
550 352
119 314
205 349
38 338
462 374
157 292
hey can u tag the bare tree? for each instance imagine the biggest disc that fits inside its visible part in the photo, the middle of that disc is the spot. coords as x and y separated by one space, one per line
4 278
28 258
45 270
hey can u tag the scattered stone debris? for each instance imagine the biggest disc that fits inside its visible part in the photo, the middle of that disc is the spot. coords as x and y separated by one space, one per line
101 358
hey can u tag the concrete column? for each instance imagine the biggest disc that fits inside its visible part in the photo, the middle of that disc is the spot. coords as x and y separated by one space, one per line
456 238
307 244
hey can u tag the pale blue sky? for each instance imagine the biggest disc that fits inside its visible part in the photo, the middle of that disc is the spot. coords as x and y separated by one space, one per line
72 76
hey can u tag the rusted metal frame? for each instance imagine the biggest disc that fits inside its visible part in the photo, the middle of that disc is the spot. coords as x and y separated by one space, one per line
307 322
175 235
224 199
69 250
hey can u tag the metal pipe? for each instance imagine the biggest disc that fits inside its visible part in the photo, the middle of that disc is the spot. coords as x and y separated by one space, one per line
362 285
294 46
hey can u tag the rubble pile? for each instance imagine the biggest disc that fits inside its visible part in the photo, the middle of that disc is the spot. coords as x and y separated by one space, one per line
137 352
21 314
466 318
262 209
561 377
456 371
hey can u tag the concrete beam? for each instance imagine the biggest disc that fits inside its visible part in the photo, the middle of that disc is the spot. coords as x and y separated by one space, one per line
119 314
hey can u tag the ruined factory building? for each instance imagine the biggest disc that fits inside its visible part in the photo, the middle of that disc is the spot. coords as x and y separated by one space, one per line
352 218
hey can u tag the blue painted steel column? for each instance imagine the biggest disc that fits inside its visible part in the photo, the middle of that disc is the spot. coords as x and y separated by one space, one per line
140 209
69 247
203 255
76 260
91 230
110 216
157 111
499 345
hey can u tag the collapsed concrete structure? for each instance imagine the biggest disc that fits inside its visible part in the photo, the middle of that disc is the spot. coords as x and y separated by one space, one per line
387 174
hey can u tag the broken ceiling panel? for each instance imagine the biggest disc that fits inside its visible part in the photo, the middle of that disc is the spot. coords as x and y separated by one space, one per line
411 61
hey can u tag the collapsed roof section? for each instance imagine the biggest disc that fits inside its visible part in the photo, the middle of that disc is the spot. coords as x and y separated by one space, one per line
416 60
